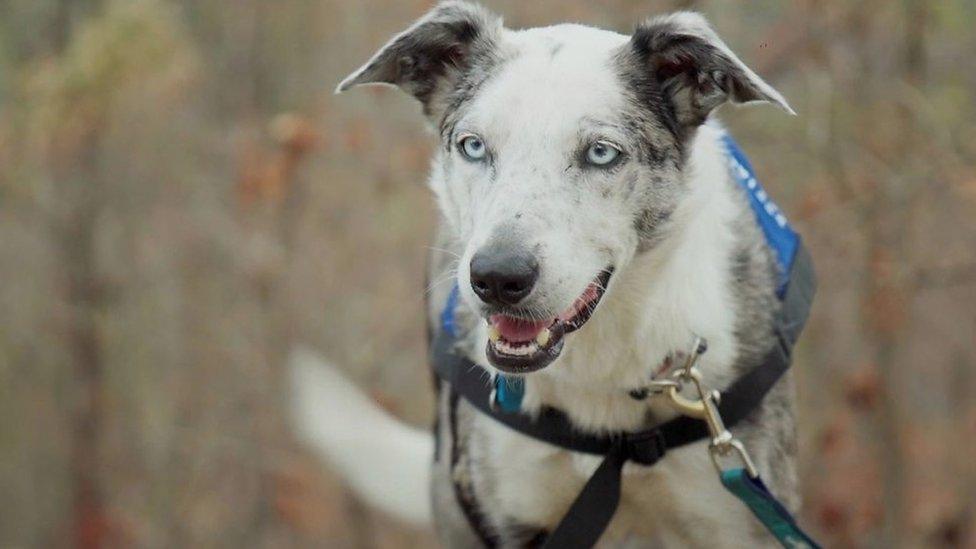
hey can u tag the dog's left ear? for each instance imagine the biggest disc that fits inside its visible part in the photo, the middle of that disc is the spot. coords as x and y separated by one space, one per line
428 58
694 68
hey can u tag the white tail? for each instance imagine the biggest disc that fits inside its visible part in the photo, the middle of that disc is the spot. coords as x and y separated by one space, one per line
386 462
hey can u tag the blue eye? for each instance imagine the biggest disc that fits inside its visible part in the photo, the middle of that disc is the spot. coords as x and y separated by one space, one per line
472 147
602 153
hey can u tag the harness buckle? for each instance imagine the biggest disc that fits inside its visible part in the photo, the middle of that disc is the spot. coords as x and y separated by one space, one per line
646 447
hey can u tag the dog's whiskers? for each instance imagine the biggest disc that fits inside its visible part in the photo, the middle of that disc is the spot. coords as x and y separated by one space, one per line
447 276
446 251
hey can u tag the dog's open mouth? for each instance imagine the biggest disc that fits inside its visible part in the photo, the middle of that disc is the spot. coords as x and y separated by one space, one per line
518 345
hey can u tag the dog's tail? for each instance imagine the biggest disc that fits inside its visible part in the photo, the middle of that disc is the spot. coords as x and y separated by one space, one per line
386 462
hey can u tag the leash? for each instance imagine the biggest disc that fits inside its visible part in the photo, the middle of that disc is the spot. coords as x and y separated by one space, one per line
706 418
743 482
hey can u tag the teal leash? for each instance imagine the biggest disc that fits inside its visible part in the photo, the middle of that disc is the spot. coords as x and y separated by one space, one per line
770 512
743 482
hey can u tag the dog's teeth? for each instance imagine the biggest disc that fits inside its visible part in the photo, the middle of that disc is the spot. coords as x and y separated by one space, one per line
493 334
543 337
517 350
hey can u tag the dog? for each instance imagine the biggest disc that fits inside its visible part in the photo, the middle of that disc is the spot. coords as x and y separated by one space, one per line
590 225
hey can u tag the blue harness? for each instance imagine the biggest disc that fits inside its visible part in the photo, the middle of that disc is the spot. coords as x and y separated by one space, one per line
596 504
782 239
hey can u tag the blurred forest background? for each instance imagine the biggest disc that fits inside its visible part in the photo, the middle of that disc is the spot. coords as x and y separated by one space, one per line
182 199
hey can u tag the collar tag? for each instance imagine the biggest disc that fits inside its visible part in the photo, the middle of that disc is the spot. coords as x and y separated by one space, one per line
507 393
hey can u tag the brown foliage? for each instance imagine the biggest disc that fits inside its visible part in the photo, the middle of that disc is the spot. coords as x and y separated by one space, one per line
182 199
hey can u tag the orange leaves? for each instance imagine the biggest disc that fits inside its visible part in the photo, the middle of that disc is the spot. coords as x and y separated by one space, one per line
294 133
886 307
861 389
265 176
304 498
357 136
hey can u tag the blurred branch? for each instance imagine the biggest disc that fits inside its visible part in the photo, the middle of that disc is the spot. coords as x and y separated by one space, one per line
66 15
90 525
942 277
916 23
889 217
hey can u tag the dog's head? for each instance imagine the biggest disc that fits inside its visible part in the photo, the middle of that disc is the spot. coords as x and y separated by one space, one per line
562 153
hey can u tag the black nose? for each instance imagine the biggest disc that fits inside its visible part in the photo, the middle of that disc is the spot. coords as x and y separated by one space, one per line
503 277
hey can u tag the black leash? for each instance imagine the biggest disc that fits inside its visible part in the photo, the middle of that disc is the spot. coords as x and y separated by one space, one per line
596 504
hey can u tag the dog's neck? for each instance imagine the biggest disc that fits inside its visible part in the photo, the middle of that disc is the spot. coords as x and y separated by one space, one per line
658 302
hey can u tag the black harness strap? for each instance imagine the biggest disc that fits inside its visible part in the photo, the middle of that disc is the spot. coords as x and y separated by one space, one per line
469 505
596 504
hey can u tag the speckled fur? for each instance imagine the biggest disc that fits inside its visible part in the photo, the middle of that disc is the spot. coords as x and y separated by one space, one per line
688 253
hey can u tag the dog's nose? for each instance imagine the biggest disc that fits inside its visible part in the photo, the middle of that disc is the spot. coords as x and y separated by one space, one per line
503 277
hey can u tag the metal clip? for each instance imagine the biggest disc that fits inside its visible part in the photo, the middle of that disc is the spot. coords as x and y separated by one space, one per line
705 408
654 387
658 387
715 451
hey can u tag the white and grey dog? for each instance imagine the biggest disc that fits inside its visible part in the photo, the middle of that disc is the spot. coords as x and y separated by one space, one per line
592 227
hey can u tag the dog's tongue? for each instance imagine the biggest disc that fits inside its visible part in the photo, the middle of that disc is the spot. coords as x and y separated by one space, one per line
517 330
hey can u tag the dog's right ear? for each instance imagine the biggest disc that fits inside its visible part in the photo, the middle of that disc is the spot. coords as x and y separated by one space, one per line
428 58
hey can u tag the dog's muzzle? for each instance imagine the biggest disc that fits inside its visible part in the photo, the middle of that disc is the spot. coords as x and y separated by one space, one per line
524 344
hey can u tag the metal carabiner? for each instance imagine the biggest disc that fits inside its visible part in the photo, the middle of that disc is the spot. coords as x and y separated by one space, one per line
724 448
654 387
705 408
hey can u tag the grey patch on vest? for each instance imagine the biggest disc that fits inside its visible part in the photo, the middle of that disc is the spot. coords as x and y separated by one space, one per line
555 51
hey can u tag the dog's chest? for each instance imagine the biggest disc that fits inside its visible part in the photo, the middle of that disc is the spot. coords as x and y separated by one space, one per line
522 482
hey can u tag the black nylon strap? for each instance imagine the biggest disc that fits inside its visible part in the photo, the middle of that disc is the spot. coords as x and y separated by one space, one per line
593 509
596 504
591 512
